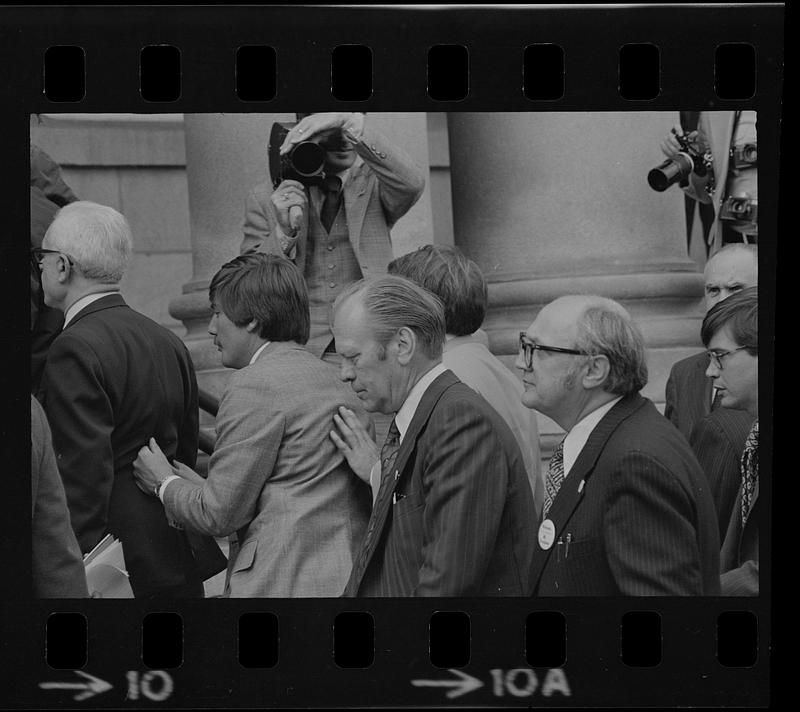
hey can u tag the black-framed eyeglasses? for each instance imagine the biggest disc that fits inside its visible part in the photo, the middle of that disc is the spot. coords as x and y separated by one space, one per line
716 357
38 253
527 347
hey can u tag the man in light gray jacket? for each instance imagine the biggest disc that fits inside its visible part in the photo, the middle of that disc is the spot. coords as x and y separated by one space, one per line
275 480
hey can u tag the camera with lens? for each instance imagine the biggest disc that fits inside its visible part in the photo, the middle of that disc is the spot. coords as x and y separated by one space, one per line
744 156
305 162
740 210
678 168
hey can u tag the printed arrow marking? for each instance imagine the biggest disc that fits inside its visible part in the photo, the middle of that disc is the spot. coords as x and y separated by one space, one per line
466 684
93 687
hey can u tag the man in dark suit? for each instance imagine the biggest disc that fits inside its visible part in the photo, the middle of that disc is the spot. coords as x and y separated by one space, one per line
112 379
453 513
627 510
717 439
689 393
730 333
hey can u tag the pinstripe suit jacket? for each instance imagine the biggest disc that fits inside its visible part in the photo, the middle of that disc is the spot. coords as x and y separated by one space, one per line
379 191
277 478
638 512
688 393
718 442
464 522
739 554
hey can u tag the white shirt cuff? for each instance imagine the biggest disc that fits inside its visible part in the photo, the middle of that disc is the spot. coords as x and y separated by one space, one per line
164 484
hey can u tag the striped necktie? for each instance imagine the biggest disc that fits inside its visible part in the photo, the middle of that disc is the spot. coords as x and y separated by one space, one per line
749 470
555 476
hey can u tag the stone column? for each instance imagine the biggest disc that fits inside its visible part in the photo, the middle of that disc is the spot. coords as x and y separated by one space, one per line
555 203
226 155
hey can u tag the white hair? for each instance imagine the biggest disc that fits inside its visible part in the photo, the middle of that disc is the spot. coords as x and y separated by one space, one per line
96 237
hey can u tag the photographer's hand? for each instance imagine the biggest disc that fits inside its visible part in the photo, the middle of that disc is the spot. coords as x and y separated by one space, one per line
670 146
289 201
319 126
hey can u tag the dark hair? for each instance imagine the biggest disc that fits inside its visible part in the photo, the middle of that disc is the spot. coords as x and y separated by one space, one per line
267 288
739 312
452 277
393 302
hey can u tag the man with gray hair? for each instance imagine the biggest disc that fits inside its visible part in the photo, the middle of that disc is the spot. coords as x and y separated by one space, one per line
453 513
627 510
112 379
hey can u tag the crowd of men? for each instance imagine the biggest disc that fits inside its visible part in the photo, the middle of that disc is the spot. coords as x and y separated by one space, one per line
327 349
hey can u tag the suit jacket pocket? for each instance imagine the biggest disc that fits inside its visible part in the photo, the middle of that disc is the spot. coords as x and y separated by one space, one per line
579 549
408 504
246 556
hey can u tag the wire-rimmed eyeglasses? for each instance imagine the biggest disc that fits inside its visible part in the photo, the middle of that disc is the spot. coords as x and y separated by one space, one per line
528 346
716 357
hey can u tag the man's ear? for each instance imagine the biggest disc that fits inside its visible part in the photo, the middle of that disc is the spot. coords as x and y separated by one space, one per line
406 344
597 371
63 270
252 326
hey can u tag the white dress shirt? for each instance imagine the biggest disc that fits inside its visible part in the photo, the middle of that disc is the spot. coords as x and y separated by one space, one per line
577 437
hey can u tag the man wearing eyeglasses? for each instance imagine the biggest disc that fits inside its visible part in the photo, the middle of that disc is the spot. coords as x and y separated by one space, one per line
627 511
112 379
730 333
715 432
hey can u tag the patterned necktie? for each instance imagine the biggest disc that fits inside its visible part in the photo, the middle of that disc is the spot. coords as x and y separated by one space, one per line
391 447
555 476
333 199
749 469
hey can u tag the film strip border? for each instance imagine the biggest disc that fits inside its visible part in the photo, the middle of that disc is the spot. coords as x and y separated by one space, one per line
425 653
467 58
363 653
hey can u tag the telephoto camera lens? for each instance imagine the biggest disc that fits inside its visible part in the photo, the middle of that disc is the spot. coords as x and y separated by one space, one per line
670 171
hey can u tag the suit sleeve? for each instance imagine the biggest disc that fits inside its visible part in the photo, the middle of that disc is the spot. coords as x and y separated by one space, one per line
249 435
648 531
465 481
400 181
82 421
261 229
57 566
742 581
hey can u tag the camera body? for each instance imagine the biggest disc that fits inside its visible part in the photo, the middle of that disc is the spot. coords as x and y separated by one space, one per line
739 210
744 156
305 162
678 168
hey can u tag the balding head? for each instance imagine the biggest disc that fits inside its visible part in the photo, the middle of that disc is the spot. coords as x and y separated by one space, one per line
595 354
732 269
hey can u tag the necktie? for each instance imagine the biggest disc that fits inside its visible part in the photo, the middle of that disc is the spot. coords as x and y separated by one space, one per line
749 469
333 199
555 476
389 451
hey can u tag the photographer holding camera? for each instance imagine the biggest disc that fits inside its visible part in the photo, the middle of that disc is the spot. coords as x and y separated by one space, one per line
717 165
337 188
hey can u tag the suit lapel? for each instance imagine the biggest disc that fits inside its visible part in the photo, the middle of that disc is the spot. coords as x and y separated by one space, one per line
356 206
574 486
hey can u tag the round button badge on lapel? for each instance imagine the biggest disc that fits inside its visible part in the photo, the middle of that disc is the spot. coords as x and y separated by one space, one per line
547 534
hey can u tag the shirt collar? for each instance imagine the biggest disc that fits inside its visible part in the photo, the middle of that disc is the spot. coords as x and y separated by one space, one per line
577 437
85 301
258 352
406 413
